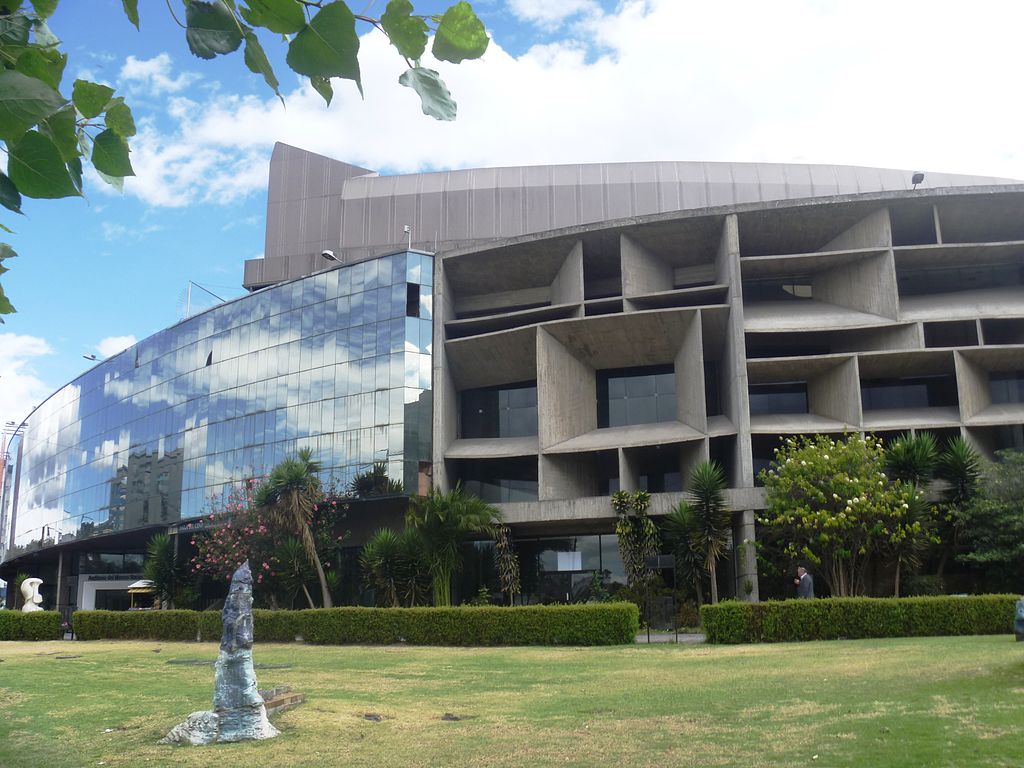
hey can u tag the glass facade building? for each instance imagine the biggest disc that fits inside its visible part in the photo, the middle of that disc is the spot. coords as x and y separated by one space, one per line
338 361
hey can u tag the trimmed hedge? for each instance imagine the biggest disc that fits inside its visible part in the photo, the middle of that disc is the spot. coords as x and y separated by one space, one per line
596 624
37 625
848 618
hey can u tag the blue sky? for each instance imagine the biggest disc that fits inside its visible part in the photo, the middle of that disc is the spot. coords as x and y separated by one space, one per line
913 85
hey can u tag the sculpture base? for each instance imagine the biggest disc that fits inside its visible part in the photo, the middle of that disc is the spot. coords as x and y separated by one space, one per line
239 713
241 724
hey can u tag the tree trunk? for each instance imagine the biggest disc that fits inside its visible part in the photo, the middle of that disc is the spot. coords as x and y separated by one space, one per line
309 597
897 590
714 584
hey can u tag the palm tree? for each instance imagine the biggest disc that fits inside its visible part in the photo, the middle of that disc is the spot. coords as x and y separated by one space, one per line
161 567
288 496
374 482
960 467
912 459
712 518
394 565
680 527
445 520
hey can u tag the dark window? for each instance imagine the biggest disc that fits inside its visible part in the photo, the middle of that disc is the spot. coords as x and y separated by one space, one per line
500 481
922 392
506 411
912 225
1003 331
659 469
778 289
959 333
951 280
784 397
412 300
712 388
1007 386
628 396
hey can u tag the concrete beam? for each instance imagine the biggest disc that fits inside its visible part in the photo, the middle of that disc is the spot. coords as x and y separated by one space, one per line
873 231
642 271
567 287
568 476
504 357
566 392
691 406
835 393
867 285
972 383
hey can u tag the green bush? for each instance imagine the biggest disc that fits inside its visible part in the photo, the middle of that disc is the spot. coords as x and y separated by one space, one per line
596 624
36 625
849 618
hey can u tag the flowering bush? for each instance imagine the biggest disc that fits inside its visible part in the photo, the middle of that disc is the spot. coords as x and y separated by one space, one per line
238 531
838 508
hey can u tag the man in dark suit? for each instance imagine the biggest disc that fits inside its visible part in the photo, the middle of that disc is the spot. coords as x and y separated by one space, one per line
804 583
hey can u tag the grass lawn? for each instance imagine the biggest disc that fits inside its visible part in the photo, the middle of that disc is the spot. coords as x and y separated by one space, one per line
905 702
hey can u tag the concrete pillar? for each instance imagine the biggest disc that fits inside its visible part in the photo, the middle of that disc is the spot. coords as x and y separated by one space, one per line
938 225
691 406
60 582
867 285
566 392
835 393
735 393
873 231
567 287
567 476
642 271
743 534
629 473
972 384
445 411
690 455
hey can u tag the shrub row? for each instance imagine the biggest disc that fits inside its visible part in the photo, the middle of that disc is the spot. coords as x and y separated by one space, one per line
857 617
597 624
37 625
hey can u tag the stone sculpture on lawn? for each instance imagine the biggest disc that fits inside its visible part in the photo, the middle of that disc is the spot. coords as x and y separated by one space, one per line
1018 623
239 713
30 591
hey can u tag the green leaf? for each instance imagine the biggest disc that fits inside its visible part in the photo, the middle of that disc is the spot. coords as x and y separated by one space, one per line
258 63
90 98
460 35
284 17
10 198
14 33
44 36
322 85
110 154
6 252
407 33
37 169
119 118
131 10
6 308
62 130
117 182
46 64
436 100
44 8
24 101
212 29
75 171
328 47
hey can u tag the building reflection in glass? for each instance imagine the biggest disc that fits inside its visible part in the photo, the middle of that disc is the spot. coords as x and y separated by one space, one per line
338 361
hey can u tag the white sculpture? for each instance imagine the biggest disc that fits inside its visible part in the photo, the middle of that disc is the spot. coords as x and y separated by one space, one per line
30 591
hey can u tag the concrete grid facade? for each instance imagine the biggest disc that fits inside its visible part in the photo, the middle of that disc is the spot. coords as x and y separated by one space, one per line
604 327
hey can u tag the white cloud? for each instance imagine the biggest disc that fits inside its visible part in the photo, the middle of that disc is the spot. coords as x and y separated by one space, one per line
154 75
550 13
21 389
114 232
111 345
654 80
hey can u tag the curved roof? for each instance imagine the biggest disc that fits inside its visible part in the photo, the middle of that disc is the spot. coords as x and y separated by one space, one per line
316 203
